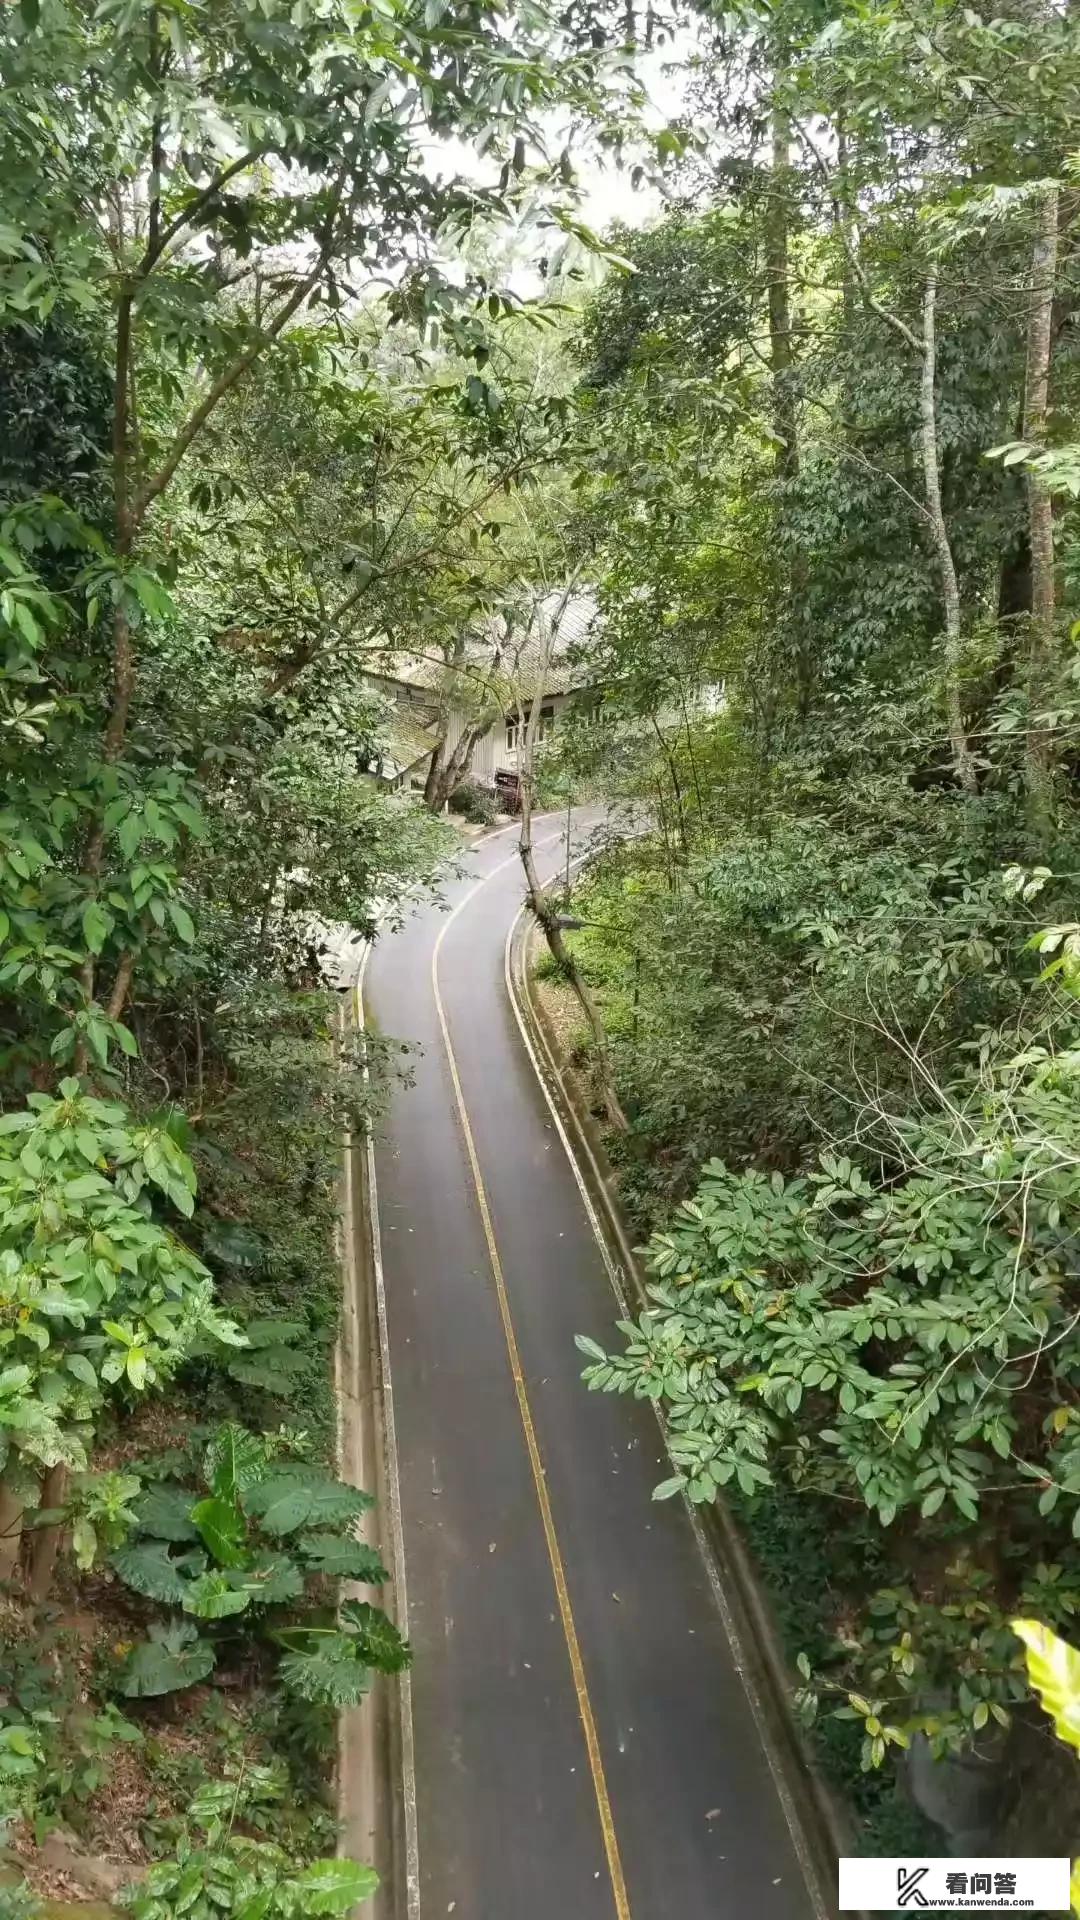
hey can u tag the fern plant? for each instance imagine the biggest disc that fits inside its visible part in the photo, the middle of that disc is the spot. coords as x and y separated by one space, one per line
250 1554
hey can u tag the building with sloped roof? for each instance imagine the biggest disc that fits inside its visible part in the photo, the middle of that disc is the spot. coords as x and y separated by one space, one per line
505 665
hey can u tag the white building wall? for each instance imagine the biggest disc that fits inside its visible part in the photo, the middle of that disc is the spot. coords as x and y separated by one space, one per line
497 751
483 760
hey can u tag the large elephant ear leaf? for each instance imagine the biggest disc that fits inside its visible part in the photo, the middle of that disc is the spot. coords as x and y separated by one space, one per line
378 1641
221 1529
165 1511
285 1501
216 1595
342 1558
334 1886
1054 1671
234 1461
271 1579
324 1666
149 1568
172 1658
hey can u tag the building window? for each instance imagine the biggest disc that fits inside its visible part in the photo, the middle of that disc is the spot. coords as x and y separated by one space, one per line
516 731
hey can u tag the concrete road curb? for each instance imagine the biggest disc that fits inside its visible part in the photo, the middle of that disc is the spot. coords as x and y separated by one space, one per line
818 1829
374 1776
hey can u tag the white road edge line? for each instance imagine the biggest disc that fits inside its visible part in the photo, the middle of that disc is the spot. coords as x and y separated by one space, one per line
790 1815
393 1490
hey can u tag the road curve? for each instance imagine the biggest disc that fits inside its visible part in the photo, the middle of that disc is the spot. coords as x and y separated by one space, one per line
584 1746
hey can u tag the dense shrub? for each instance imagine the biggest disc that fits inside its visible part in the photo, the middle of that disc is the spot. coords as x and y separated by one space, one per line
475 802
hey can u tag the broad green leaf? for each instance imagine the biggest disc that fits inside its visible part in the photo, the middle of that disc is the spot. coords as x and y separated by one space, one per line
149 1567
284 1502
234 1460
84 1543
165 1512
342 1558
172 1658
220 1525
97 924
127 1040
380 1643
271 1580
335 1886
328 1672
668 1488
182 921
213 1596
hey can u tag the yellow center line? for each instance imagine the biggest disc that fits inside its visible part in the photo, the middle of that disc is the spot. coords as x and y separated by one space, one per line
558 1572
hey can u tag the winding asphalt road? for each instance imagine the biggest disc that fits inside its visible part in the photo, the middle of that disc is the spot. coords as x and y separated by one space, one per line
584 1745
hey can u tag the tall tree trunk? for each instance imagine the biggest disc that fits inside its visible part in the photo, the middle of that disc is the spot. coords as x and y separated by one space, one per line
849 305
457 766
434 798
433 780
782 366
779 295
676 784
1039 770
543 908
46 1540
123 661
669 852
950 591
447 769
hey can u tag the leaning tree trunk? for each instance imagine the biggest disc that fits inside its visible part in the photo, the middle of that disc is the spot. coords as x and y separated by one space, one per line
561 954
545 912
963 761
456 768
1039 767
434 778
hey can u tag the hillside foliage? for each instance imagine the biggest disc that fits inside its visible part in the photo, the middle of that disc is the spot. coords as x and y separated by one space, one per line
836 528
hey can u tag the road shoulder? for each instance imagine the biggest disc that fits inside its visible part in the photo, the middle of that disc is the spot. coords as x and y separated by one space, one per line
375 1786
